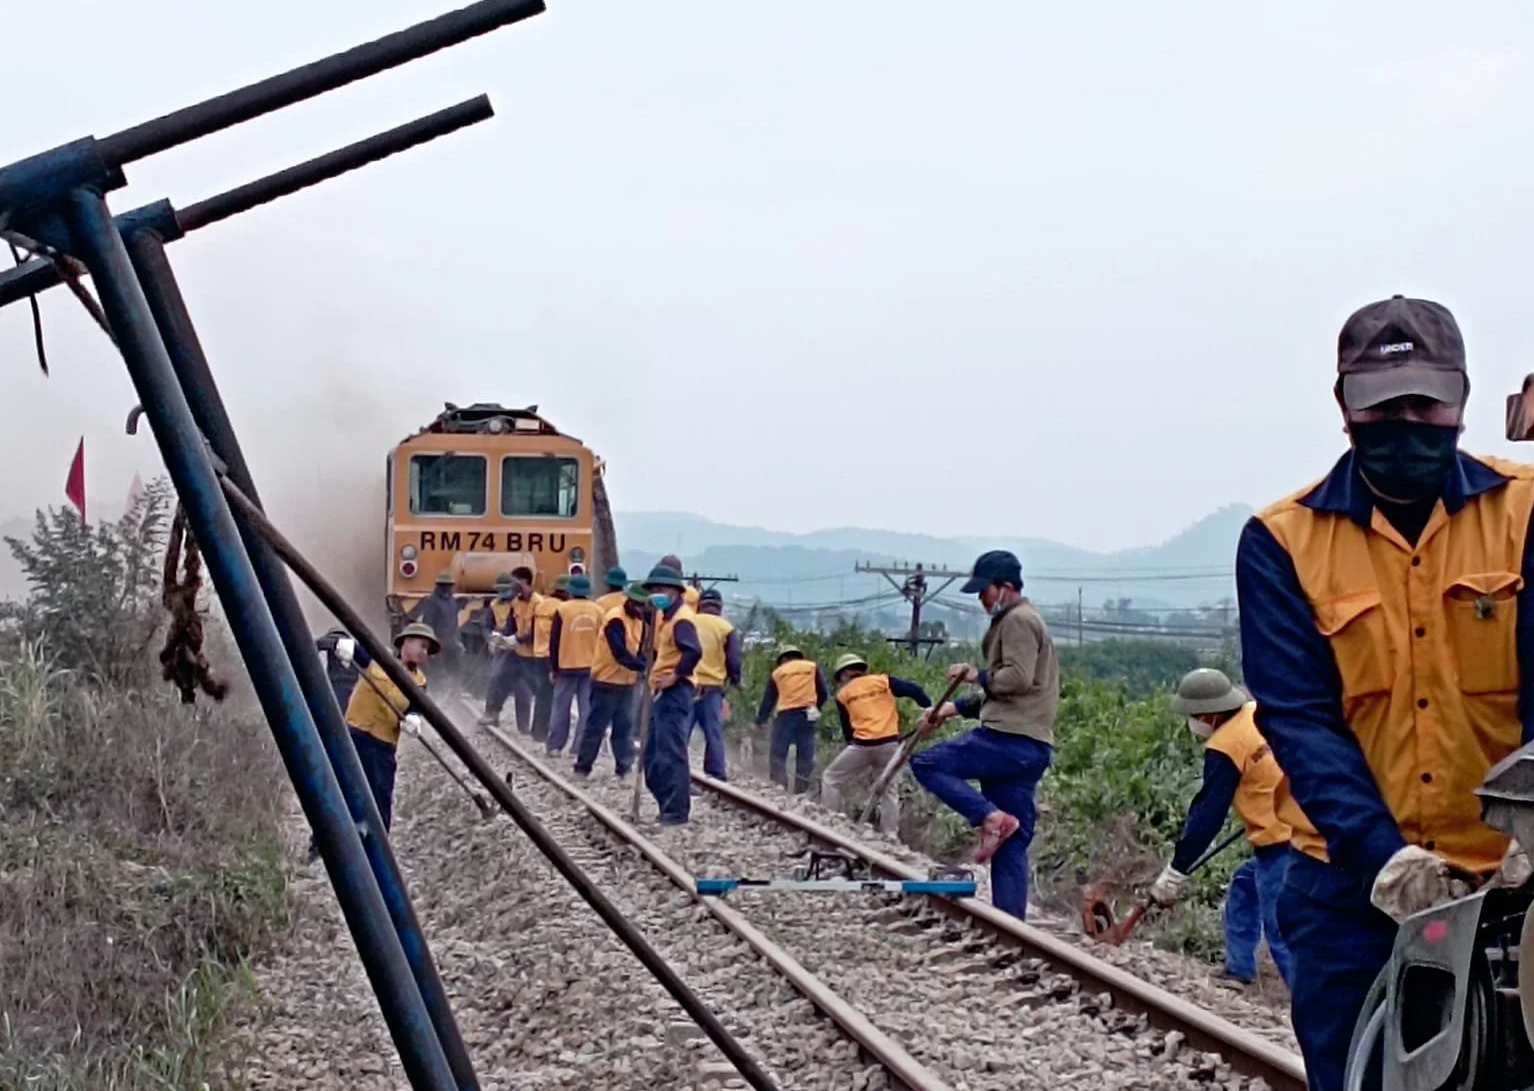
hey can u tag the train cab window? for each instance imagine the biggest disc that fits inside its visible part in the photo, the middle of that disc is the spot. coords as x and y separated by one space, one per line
447 484
540 485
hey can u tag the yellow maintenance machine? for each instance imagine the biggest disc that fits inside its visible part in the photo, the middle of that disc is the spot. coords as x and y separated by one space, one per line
481 490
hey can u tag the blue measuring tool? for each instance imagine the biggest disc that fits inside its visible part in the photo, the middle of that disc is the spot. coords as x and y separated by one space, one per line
948 888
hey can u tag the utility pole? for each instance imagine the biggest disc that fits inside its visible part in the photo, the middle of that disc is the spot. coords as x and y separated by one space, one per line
1081 619
697 580
916 591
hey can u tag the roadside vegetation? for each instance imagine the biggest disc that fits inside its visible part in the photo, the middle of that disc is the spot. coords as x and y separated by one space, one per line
1112 804
140 859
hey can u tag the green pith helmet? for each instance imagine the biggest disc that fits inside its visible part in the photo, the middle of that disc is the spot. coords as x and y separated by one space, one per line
851 659
663 575
504 582
1207 690
617 579
789 651
637 593
562 583
446 580
579 587
422 630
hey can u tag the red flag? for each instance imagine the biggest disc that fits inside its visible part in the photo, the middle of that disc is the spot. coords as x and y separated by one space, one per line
74 488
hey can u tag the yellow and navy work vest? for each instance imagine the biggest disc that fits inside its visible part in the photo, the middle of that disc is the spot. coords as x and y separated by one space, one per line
609 600
667 654
1425 643
1240 741
580 624
524 610
796 685
543 624
713 633
606 669
691 596
499 612
870 706
370 713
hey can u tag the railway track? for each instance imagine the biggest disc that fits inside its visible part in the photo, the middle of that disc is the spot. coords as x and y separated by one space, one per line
938 995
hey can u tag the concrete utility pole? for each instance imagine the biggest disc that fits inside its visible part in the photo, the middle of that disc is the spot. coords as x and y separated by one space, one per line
915 590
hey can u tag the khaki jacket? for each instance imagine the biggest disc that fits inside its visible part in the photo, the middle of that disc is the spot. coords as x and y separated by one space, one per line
1021 677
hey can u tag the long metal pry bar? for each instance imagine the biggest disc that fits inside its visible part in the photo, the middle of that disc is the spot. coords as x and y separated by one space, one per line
56 199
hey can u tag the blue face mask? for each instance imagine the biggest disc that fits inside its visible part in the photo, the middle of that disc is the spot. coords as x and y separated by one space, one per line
660 601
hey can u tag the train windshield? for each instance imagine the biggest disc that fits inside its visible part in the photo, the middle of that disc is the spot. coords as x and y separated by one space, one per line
447 484
540 485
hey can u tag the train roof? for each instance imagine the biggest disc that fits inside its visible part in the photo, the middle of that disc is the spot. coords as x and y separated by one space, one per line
488 417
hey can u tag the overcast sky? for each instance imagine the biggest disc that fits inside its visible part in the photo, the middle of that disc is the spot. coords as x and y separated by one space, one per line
1065 270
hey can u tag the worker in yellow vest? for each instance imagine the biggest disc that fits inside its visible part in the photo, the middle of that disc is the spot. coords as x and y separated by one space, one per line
542 668
512 644
671 681
1239 769
868 706
617 582
573 638
615 675
1384 635
719 667
377 711
793 697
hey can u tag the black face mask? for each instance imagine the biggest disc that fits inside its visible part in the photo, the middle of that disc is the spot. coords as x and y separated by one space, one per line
1405 460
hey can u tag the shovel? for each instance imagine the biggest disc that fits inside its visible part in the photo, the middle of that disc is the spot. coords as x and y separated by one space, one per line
642 721
903 754
1097 918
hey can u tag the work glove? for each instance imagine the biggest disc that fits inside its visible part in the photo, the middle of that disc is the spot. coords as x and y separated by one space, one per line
413 724
1415 879
1516 867
496 642
346 651
1168 884
813 714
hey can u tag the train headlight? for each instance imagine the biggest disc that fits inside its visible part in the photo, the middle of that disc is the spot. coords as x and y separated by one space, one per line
407 569
408 553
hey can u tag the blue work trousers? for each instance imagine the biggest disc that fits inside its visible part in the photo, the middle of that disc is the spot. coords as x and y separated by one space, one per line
666 770
708 713
792 729
570 687
1008 768
378 765
1338 942
542 687
1251 913
611 706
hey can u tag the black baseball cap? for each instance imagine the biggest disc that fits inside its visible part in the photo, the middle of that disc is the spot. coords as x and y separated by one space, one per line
1398 347
997 566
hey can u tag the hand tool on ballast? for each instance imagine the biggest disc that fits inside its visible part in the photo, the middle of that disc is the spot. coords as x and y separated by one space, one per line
484 805
903 754
1097 912
642 721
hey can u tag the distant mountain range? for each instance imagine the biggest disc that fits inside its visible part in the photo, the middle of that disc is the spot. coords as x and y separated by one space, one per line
807 573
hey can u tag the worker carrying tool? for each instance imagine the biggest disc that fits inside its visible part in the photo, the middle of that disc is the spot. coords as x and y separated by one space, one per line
1387 639
573 637
1239 769
512 644
378 711
439 610
719 667
542 669
867 705
1014 744
616 581
677 654
615 671
343 659
794 695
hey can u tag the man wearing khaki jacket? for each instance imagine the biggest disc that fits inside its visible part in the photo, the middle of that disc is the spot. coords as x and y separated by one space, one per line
1009 751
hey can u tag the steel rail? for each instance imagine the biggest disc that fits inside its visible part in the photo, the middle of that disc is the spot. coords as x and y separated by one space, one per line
1246 1052
906 1070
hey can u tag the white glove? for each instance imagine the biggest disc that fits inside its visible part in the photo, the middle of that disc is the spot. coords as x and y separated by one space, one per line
1516 868
346 650
413 724
1168 884
813 714
1414 880
498 642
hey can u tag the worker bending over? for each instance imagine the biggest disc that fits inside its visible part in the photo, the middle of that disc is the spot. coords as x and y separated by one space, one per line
615 672
794 694
377 710
1387 638
616 581
719 667
511 672
573 640
1013 746
542 667
1239 768
870 717
677 653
